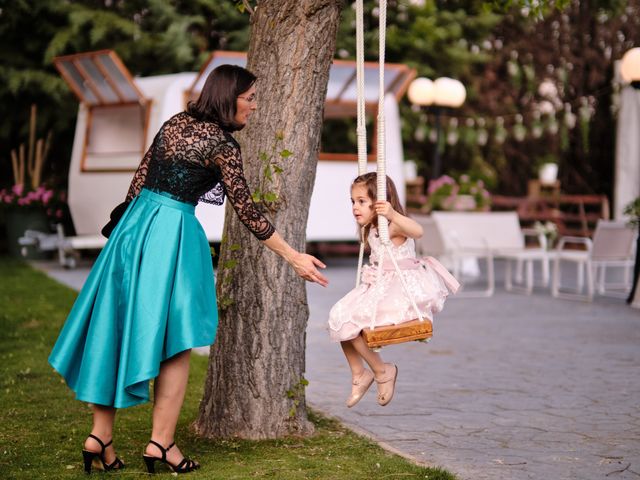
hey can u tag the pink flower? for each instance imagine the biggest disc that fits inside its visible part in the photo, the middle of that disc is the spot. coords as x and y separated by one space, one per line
439 182
46 196
58 213
17 189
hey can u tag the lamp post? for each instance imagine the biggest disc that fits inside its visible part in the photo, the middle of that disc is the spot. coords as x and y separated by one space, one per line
437 95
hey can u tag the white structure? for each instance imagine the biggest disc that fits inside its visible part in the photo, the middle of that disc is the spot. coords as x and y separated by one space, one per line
627 178
119 116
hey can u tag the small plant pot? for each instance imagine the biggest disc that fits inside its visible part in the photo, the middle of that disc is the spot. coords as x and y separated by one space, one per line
20 220
548 173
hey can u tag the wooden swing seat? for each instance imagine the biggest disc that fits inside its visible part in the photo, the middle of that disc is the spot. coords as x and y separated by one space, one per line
392 334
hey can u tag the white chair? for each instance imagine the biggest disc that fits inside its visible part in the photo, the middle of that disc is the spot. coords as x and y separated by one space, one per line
448 250
526 257
613 245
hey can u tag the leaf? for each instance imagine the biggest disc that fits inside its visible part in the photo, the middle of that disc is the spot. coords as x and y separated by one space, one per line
267 172
234 247
285 153
271 197
279 135
230 263
226 302
277 168
263 156
256 196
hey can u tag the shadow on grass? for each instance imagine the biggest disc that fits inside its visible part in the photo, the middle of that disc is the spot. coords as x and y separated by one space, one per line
43 426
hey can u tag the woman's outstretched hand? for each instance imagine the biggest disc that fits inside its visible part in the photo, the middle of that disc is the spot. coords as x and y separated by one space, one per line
305 266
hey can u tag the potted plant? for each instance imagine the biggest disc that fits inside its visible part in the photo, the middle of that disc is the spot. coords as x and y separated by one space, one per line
548 169
464 194
29 203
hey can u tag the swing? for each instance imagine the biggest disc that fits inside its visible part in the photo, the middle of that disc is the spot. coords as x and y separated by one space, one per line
420 328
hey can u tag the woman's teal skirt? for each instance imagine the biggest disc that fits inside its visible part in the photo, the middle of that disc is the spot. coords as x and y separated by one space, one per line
149 296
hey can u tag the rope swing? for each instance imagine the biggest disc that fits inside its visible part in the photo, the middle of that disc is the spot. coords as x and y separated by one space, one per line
417 329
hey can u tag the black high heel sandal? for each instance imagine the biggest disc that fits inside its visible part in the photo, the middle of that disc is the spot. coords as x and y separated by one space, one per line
185 466
90 456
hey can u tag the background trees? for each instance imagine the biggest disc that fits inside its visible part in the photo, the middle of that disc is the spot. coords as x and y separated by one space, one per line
152 37
504 129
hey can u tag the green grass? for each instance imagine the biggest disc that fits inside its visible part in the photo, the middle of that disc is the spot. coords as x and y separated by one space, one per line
42 426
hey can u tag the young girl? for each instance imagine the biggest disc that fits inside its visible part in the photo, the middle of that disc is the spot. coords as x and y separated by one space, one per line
384 302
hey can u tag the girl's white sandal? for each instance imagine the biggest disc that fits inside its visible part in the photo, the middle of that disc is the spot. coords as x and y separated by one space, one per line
387 384
359 387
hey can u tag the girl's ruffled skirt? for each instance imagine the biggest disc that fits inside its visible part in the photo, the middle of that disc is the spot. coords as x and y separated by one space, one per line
377 303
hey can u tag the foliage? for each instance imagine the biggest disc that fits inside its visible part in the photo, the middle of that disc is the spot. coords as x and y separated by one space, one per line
44 427
549 230
296 394
502 50
539 79
437 39
152 37
549 89
632 209
445 193
269 193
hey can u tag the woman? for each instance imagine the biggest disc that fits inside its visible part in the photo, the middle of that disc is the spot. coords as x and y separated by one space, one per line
150 297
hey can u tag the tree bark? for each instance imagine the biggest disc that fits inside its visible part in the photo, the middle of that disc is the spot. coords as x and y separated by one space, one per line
255 381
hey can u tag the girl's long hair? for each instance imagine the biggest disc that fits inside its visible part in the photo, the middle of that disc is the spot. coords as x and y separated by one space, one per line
369 180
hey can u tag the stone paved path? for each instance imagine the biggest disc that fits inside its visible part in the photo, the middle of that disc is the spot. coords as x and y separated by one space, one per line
511 387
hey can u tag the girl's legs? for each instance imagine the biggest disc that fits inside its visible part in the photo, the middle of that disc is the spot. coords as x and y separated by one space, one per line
373 359
361 378
103 419
353 358
169 390
385 373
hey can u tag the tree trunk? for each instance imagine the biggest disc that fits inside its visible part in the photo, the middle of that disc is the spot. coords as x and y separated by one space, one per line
255 382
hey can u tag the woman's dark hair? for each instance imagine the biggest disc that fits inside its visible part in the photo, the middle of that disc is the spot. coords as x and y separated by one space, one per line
217 101
370 182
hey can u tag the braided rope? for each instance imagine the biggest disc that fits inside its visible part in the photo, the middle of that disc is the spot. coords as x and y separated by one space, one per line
361 130
381 180
383 224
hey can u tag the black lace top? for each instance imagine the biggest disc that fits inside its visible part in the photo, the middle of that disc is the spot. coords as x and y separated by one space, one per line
195 160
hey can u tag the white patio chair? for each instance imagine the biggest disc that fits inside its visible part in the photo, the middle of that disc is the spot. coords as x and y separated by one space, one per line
514 281
613 245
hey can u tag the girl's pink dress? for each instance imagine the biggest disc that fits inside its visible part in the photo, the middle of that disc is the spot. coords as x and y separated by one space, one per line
374 303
